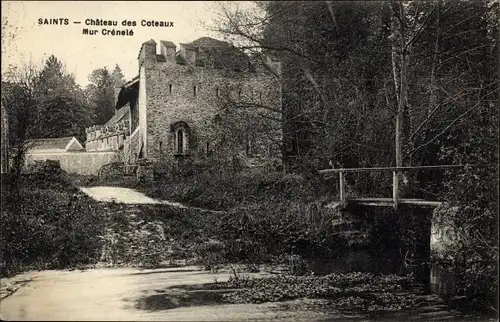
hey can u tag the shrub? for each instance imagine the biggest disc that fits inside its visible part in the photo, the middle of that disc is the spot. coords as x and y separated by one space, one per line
333 286
192 185
211 253
475 256
50 224
256 233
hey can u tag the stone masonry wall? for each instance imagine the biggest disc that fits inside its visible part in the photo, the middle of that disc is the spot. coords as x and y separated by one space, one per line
170 98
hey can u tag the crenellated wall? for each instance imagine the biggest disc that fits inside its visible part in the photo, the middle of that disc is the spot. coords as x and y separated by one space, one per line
173 90
106 138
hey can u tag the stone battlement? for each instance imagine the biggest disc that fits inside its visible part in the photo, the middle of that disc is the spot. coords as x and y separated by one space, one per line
96 131
205 53
106 137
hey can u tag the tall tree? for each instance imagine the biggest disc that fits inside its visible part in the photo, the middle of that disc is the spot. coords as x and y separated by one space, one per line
333 76
339 60
62 109
101 94
20 102
118 77
394 82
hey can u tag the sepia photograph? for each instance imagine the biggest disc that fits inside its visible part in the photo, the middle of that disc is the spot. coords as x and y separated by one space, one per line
250 160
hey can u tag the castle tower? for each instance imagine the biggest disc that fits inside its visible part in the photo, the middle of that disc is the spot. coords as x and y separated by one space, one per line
147 54
181 93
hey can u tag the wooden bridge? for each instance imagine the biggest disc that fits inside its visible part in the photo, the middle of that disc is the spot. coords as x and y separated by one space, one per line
387 202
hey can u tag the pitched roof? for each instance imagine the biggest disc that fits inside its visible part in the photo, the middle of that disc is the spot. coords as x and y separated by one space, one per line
50 143
220 53
120 114
131 82
168 43
209 42
127 92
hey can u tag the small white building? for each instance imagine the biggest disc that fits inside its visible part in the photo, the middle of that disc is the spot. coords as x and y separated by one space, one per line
70 154
54 145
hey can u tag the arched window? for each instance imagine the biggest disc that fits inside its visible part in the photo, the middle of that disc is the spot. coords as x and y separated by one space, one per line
180 135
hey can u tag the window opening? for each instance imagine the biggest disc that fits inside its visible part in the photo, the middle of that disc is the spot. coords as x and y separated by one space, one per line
180 141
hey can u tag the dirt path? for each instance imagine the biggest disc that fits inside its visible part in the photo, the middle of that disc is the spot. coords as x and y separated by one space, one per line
130 196
129 294
123 195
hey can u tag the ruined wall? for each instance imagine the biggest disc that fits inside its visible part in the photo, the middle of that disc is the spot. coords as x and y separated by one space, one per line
85 163
170 97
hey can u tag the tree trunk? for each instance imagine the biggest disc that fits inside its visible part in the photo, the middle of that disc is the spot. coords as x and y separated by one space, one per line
395 73
433 86
402 128
401 120
407 112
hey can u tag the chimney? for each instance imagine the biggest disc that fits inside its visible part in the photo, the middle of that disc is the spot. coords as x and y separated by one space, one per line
167 49
188 52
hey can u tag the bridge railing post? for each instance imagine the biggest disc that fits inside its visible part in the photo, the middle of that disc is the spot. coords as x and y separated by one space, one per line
395 188
342 194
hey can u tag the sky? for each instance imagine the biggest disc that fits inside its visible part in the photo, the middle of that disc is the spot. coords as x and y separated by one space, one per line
81 53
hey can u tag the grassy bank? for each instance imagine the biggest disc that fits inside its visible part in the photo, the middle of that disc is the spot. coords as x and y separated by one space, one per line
274 217
226 190
47 223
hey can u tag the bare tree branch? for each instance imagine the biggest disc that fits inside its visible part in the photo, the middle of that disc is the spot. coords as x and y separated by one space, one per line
453 122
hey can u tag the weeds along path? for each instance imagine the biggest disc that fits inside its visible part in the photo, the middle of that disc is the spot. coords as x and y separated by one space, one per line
141 231
129 240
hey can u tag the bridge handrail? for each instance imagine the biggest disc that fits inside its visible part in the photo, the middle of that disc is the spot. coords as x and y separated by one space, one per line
423 167
395 174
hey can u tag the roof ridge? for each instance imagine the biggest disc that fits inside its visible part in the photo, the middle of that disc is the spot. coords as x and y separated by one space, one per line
58 138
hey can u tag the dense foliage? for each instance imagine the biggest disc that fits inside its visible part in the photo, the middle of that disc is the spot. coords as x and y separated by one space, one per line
284 218
281 288
391 83
44 101
101 92
223 190
48 223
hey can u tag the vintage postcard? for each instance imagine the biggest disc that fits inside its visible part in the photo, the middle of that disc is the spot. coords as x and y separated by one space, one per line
249 160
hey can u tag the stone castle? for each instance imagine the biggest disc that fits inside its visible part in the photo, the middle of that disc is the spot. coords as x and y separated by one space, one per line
184 104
